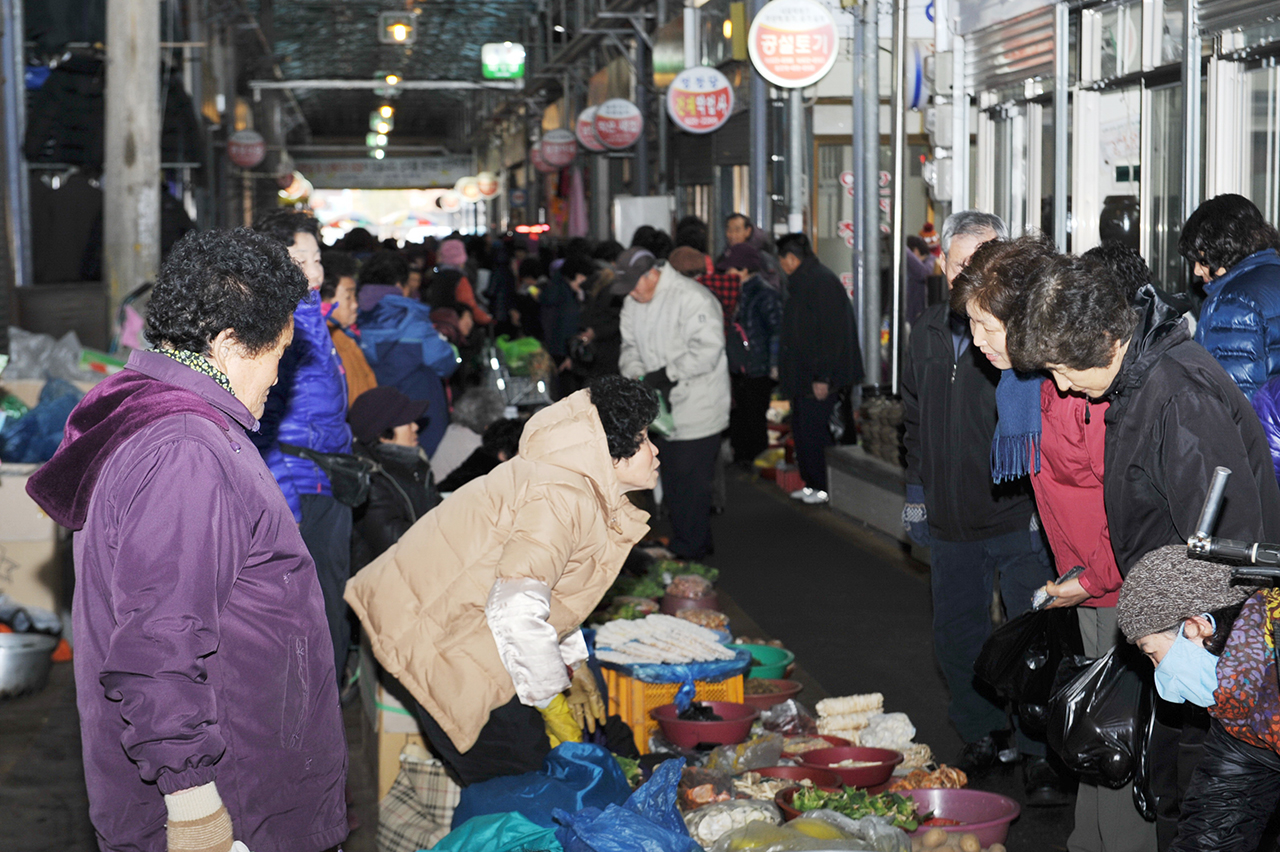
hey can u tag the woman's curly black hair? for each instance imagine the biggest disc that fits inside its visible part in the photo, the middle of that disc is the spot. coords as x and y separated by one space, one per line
625 407
1224 231
217 280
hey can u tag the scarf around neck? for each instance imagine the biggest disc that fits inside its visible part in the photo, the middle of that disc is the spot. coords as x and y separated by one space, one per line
1015 447
201 365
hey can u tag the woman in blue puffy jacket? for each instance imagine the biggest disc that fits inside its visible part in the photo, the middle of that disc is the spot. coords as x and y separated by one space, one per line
307 408
1234 252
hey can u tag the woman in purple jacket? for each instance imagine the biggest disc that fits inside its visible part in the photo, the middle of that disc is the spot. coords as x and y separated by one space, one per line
204 672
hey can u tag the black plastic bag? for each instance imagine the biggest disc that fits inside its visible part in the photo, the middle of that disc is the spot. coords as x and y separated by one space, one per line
1099 716
1020 660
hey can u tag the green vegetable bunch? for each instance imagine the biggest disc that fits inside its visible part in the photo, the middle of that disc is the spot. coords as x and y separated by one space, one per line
665 569
855 804
636 587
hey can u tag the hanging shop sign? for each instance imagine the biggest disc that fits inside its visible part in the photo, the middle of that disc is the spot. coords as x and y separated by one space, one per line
793 43
487 183
389 173
559 147
700 99
585 130
246 148
503 60
468 188
618 123
449 201
539 162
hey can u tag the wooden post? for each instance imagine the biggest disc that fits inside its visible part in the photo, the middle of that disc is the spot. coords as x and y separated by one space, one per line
131 180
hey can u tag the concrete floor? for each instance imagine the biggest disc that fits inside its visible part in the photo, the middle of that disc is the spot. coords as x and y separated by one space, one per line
853 607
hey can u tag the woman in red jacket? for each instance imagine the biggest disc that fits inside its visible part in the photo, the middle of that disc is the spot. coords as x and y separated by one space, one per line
1058 439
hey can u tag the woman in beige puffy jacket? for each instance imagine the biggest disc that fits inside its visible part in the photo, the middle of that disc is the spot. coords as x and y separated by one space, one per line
477 609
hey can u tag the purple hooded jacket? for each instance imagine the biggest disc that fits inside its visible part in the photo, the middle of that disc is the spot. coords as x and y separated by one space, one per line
202 651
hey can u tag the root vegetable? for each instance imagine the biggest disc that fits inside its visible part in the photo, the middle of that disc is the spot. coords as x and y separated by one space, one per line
933 838
996 847
969 843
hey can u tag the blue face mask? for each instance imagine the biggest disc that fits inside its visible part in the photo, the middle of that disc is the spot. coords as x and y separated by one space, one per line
1188 672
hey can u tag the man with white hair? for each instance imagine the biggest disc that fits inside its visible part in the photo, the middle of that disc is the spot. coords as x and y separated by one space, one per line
978 533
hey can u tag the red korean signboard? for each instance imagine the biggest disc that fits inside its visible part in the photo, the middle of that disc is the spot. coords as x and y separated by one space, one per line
793 43
700 99
246 148
559 147
539 163
585 130
618 124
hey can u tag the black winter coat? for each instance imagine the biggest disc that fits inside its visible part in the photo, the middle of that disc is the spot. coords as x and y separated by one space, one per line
1233 794
819 339
603 312
949 411
1174 416
401 493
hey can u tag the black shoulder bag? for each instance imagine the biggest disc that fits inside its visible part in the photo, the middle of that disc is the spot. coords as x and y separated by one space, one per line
350 476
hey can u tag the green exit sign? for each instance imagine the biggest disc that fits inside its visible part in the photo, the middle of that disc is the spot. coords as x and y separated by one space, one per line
502 60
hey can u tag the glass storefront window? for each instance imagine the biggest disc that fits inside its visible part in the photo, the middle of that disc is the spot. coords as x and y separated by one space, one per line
1263 145
1121 39
1164 172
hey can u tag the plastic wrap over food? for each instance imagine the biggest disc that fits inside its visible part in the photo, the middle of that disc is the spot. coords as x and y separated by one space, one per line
756 753
789 717
708 824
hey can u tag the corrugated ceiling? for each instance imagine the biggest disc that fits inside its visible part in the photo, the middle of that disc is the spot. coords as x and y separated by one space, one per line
324 39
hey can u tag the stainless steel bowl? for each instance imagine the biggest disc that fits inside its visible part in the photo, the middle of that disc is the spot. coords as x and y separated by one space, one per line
25 660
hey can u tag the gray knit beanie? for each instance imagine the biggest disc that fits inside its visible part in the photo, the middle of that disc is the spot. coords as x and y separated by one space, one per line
1168 586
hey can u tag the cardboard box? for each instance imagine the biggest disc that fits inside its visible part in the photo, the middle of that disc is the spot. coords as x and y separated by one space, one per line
31 544
20 518
378 694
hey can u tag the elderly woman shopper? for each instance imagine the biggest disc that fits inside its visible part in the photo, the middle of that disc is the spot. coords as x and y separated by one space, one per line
204 673
1173 416
477 609
1213 645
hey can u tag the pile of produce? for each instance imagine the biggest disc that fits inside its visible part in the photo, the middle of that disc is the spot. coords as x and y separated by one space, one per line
689 586
941 841
899 810
944 777
657 639
625 608
708 618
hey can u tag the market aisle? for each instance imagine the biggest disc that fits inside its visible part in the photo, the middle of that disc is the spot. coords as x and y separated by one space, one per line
856 611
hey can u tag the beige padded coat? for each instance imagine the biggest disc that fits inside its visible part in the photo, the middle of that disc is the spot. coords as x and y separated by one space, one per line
554 513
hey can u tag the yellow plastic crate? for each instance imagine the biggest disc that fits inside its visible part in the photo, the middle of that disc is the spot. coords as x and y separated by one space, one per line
632 699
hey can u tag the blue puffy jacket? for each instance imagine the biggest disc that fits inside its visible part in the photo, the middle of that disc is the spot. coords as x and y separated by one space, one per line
1240 320
307 407
406 352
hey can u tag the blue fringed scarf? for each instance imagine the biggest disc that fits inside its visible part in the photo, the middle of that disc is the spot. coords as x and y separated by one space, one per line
1016 444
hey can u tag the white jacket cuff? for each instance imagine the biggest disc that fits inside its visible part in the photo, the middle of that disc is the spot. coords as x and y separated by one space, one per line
518 613
573 649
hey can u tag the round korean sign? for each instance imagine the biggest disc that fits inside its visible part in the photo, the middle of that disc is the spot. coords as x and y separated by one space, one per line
535 157
585 129
246 148
700 99
618 123
487 182
468 188
793 43
559 147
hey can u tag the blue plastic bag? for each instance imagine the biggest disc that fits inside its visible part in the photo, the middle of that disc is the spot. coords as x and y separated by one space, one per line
575 776
34 437
648 822
509 832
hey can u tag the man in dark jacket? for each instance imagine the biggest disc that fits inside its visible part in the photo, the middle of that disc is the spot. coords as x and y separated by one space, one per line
818 358
979 533
1175 415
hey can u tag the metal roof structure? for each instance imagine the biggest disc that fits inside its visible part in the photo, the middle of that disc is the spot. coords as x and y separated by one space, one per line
328 39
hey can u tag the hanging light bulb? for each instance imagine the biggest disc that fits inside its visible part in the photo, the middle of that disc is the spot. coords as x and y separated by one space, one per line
386 111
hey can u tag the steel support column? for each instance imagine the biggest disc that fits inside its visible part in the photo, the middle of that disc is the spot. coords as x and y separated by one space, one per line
1061 122
897 239
1191 118
870 167
759 158
796 130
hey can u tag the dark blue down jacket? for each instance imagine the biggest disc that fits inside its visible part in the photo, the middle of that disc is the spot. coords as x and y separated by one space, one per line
1240 320
306 408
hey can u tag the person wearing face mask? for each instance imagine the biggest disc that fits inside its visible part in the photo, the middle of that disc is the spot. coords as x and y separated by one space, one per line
1213 645
207 698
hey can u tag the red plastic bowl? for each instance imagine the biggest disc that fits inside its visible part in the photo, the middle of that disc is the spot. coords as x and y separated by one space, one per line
671 604
835 741
857 776
765 700
784 797
738 719
984 815
819 777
